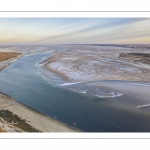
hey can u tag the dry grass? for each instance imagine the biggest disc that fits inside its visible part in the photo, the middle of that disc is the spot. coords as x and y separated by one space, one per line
21 123
8 55
1 130
137 57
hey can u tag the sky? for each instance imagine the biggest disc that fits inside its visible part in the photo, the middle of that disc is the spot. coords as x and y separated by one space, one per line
74 31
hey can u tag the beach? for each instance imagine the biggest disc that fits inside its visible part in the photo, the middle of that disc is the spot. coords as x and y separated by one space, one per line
32 117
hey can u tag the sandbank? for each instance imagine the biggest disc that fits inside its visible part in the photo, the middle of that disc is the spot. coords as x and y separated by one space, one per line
82 67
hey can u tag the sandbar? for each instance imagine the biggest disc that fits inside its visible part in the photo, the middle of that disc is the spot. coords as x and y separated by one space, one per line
83 66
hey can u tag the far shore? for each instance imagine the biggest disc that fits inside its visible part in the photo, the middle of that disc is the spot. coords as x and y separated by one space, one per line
80 67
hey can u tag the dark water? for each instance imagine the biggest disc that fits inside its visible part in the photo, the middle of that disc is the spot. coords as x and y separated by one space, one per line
22 81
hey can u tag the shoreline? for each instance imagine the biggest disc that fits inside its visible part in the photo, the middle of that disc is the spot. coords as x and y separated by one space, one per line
59 74
72 81
34 118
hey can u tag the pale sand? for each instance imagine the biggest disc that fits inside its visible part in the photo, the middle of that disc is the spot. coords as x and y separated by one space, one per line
34 118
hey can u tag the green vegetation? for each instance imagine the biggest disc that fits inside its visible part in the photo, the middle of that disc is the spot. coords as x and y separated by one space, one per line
16 121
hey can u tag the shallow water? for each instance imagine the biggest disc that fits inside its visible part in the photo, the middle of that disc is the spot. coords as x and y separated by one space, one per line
23 81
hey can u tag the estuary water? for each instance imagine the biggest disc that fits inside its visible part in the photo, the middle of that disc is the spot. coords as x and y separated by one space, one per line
23 81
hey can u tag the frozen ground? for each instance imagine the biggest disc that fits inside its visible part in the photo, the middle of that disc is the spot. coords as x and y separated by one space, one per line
91 64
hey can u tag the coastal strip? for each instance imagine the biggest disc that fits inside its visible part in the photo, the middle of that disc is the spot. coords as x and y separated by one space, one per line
38 120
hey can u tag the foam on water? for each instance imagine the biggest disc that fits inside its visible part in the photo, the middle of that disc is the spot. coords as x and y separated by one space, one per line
105 96
141 106
78 91
66 84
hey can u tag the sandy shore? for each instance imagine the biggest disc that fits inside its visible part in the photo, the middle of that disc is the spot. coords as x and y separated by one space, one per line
60 74
32 117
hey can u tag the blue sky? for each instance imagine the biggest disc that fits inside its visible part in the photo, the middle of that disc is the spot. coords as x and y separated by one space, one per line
74 31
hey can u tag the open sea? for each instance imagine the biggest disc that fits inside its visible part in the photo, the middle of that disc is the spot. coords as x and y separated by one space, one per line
24 81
